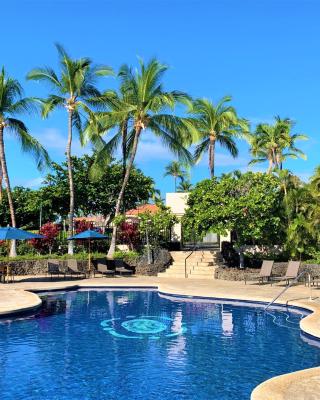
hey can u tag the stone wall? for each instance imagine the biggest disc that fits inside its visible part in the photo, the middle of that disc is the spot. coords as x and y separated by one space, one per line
161 257
37 267
161 260
236 274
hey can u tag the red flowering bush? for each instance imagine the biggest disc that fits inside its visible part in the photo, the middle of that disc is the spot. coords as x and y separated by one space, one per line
50 232
129 234
83 225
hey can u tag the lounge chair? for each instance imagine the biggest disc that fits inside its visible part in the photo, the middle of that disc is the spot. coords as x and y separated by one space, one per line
120 268
54 268
291 273
73 268
264 274
101 266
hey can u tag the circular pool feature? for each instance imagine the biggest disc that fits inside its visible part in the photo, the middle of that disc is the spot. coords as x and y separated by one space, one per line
143 325
146 326
93 345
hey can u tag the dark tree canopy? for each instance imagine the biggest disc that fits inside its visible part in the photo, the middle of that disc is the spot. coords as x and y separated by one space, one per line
248 204
97 197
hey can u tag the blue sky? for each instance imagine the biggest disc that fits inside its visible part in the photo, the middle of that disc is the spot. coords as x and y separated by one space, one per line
265 53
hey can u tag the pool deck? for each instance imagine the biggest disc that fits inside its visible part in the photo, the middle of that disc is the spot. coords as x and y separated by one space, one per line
300 385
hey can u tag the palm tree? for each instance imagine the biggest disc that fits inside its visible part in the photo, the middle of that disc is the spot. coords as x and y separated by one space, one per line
12 103
73 88
275 143
175 169
185 186
216 124
143 106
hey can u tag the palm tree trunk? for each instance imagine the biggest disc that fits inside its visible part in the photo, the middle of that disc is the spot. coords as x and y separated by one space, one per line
211 157
270 166
175 183
13 250
124 154
1 178
71 183
121 193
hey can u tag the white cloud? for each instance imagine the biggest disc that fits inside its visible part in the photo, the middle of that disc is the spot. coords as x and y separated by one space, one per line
55 142
33 183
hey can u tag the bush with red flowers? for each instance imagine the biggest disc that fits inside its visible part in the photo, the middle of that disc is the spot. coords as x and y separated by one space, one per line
50 231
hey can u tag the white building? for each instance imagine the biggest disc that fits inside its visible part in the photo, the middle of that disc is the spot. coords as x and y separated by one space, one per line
178 204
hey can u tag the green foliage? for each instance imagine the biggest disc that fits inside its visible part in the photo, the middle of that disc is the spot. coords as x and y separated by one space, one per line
92 197
275 143
157 226
247 204
216 123
12 104
129 256
175 169
27 208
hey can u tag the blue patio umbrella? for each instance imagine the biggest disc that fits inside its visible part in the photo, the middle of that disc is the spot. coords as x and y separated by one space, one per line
88 235
9 233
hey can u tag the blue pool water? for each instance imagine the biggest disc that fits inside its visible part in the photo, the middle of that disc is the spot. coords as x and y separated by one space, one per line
130 345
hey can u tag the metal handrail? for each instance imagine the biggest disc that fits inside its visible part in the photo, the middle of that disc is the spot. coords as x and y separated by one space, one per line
289 286
185 261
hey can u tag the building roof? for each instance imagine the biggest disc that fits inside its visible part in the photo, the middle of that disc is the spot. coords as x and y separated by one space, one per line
151 208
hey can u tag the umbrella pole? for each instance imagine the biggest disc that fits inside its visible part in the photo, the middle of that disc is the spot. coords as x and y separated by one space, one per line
89 265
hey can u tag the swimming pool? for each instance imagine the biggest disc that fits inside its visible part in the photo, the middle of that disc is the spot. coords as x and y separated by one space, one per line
136 344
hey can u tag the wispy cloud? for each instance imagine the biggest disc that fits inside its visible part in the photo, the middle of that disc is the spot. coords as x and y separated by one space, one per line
55 142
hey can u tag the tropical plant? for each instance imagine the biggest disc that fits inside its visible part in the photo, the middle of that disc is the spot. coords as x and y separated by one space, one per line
249 205
185 186
144 107
176 170
275 143
12 104
73 88
216 124
50 232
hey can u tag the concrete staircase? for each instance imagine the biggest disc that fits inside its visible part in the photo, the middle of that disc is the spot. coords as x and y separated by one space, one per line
201 264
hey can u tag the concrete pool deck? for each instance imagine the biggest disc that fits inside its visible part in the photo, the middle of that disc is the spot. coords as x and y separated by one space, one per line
300 385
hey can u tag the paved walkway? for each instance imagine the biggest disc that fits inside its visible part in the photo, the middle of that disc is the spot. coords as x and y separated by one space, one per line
301 385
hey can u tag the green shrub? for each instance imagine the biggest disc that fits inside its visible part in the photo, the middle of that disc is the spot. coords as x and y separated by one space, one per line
126 255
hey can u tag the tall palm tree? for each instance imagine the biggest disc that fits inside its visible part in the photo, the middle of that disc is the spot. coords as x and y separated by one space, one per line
275 143
73 88
175 169
12 103
216 124
144 106
185 186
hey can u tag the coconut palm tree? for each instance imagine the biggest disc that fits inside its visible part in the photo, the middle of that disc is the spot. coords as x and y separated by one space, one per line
12 103
275 143
73 88
185 186
144 106
216 124
175 169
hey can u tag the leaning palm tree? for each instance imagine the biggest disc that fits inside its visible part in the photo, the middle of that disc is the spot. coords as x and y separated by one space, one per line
216 124
275 143
12 103
73 88
175 169
144 107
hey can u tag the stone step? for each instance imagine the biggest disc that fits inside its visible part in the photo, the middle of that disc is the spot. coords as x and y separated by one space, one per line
165 275
192 263
207 273
210 277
